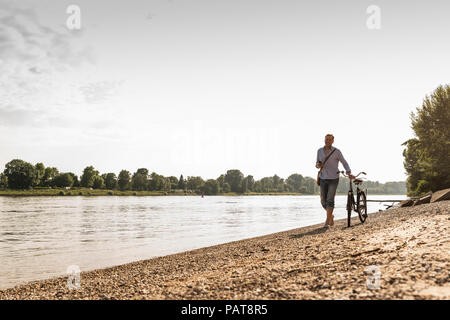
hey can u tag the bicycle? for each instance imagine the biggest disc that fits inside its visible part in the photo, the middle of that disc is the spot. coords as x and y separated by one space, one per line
360 205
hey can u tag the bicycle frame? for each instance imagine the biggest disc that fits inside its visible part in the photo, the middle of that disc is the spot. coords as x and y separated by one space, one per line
352 205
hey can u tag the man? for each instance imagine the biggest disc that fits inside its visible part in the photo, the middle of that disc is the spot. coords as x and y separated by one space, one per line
329 176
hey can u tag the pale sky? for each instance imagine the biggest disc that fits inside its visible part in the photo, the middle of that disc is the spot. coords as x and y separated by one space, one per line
198 87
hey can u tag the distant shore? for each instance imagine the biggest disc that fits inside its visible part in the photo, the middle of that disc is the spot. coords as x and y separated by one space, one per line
406 248
103 192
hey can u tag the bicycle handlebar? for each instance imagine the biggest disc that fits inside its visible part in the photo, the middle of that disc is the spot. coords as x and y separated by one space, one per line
343 173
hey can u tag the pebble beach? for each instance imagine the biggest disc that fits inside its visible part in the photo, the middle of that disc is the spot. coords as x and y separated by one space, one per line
399 253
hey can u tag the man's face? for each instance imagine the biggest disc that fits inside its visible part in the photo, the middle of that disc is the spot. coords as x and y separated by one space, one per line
329 141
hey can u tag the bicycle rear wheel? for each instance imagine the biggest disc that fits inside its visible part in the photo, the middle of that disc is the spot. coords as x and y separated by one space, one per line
362 206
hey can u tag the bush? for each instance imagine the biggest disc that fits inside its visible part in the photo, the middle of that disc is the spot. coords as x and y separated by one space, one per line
61 193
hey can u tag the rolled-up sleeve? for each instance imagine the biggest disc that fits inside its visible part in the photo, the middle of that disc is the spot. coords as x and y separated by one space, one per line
344 162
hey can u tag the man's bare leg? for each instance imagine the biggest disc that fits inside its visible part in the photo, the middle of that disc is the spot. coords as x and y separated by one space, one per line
330 216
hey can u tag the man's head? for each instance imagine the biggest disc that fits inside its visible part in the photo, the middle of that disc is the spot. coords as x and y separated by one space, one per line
329 139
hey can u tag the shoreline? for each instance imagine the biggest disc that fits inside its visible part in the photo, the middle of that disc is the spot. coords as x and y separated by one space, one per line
408 246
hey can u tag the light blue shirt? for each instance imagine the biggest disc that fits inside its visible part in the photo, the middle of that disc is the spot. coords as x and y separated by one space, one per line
330 169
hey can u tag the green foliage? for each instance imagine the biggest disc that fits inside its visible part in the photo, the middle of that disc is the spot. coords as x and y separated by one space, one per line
426 157
110 180
295 182
99 183
63 180
3 181
173 182
88 177
181 183
39 171
49 174
194 183
20 174
234 179
155 184
210 187
123 180
76 182
226 187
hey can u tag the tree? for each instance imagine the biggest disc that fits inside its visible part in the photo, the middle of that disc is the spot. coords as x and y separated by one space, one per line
123 180
250 182
88 177
226 187
194 183
234 179
173 182
20 174
181 183
110 180
221 181
99 183
39 171
63 180
294 182
156 182
210 187
49 174
166 184
244 185
139 182
76 182
426 157
3 181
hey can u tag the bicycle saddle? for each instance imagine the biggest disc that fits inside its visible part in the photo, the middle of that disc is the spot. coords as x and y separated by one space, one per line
357 181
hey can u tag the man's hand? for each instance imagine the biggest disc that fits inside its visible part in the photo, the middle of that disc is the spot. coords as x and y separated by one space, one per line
319 165
350 175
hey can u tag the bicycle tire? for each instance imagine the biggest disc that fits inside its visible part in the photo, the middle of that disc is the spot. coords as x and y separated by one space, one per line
362 206
349 208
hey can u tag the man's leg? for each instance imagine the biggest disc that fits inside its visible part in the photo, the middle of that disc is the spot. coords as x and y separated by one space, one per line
323 196
332 187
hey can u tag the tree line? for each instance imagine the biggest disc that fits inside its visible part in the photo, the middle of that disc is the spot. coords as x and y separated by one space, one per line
19 174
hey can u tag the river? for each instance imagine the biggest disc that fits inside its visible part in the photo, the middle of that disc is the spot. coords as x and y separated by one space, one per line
40 237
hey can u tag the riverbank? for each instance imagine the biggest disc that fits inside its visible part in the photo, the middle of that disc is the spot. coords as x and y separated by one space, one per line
408 246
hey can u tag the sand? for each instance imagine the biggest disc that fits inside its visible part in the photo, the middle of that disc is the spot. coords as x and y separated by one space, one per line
400 253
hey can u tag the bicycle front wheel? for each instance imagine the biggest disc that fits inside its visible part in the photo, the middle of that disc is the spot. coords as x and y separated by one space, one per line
362 206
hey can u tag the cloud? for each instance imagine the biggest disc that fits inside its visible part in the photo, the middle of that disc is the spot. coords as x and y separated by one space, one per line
46 76
24 38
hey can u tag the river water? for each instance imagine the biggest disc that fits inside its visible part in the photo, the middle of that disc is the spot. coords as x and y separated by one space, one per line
40 237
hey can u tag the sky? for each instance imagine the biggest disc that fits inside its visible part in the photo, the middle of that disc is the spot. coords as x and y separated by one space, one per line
202 86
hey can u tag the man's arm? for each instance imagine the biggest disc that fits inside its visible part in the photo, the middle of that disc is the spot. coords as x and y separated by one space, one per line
344 162
318 163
